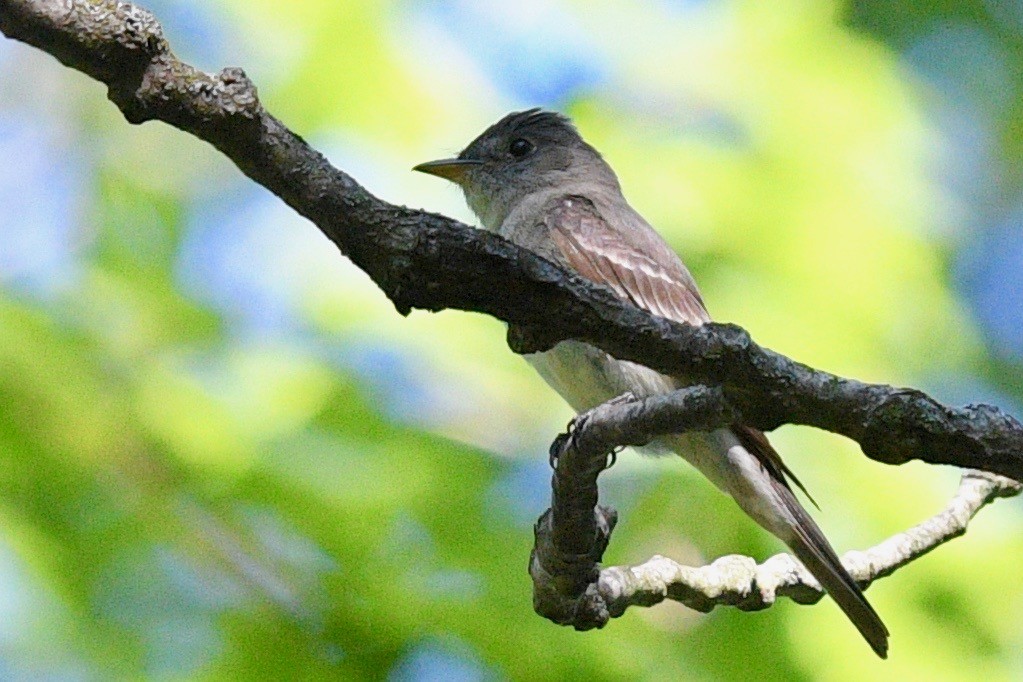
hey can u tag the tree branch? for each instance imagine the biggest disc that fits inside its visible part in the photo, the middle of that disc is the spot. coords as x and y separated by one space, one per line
739 581
570 588
423 260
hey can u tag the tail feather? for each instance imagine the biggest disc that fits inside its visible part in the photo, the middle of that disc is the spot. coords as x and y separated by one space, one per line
812 548
794 526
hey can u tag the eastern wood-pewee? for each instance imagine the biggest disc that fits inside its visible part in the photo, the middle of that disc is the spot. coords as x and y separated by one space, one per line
531 178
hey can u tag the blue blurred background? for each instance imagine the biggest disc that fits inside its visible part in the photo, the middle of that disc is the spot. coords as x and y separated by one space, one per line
224 455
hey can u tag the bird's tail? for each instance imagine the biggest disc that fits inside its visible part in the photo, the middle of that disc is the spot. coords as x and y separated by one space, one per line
743 463
812 548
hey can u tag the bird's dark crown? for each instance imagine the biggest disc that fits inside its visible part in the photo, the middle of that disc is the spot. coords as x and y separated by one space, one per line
537 125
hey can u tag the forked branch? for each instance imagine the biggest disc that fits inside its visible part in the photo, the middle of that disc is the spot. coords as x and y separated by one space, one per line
570 587
423 260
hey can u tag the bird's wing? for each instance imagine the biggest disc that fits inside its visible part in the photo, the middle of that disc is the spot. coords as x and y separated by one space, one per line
640 267
637 264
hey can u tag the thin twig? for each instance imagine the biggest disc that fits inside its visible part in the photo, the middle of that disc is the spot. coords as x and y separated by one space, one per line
739 581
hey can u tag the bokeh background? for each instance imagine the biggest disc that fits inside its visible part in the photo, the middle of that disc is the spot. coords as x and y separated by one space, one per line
224 455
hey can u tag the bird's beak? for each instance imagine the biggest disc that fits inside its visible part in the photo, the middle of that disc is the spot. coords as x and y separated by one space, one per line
449 169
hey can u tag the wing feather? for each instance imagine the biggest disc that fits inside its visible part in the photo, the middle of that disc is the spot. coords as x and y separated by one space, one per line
620 260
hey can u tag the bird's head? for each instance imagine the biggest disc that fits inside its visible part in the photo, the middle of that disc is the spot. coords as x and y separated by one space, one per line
523 153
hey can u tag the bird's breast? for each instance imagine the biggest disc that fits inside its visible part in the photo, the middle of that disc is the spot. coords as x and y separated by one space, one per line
586 376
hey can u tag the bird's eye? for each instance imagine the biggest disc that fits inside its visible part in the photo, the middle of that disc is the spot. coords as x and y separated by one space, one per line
521 147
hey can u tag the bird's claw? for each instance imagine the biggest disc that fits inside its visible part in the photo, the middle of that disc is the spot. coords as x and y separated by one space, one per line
568 439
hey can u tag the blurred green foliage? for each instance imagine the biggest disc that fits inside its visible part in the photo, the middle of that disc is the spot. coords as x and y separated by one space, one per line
223 455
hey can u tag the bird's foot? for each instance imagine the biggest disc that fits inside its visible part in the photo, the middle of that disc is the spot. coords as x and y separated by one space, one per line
577 426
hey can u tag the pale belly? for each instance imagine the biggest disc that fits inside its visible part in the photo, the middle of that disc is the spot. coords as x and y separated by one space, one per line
586 377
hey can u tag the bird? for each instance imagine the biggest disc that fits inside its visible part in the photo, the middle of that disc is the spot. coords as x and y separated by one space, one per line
531 178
